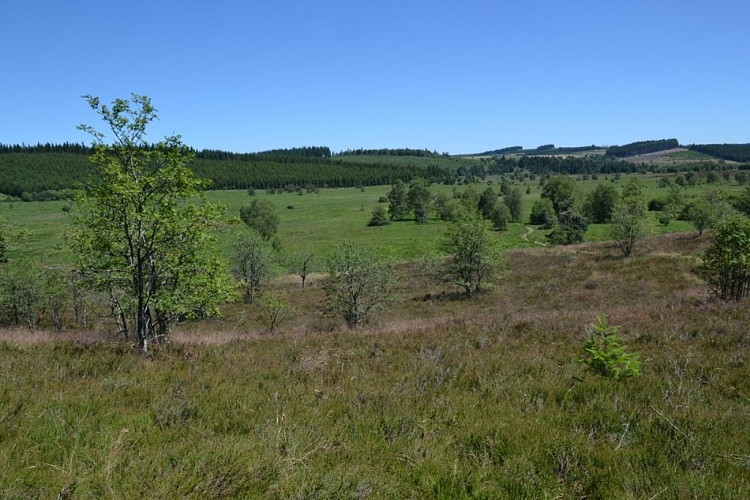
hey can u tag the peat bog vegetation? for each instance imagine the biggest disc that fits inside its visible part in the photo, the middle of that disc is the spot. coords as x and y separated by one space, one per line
439 396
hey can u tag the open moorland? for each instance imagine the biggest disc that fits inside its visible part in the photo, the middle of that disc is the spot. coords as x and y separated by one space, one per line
439 395
439 398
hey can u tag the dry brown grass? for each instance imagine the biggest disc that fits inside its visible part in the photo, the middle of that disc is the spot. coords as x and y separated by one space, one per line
555 289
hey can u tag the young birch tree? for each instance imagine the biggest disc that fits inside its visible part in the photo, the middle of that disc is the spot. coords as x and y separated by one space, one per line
143 225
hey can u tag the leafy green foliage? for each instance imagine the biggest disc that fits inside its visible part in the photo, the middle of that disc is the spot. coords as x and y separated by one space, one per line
379 216
570 228
514 201
600 203
562 191
500 217
487 203
543 213
253 262
398 201
359 283
261 216
726 263
629 223
419 199
140 235
474 257
604 354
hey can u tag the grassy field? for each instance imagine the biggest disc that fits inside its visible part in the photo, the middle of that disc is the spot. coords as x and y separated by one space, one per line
320 221
438 398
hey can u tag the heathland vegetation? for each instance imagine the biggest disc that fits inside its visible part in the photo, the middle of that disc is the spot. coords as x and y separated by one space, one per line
524 324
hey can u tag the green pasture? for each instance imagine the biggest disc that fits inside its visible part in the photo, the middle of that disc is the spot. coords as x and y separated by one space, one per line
321 221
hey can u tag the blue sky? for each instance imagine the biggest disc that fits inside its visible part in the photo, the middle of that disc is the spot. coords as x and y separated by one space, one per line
456 77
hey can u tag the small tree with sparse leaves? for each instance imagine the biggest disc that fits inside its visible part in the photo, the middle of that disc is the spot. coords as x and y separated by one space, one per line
358 284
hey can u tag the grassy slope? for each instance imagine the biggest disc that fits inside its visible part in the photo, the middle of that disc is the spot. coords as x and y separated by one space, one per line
438 398
321 221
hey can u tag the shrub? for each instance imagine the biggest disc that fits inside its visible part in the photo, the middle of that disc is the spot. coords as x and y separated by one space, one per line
379 216
543 214
474 257
605 356
359 283
726 263
261 216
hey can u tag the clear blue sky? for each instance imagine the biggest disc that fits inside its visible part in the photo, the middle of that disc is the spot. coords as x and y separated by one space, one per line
456 77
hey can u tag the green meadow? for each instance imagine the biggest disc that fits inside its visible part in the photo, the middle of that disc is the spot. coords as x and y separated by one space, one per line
321 221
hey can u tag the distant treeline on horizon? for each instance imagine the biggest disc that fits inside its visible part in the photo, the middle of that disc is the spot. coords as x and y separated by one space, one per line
52 171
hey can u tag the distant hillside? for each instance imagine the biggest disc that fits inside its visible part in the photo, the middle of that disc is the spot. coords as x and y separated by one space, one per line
546 149
44 171
730 152
642 147
502 151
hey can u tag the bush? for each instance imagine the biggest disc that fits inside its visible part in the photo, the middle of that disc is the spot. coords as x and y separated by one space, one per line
657 204
605 356
358 284
726 264
543 214
379 217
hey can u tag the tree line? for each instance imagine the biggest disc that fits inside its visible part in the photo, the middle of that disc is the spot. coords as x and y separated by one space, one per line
422 153
27 174
641 148
730 152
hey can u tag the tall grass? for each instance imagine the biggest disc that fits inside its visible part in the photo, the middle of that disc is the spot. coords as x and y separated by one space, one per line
439 398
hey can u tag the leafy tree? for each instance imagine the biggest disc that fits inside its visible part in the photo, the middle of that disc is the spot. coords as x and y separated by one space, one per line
701 214
141 235
487 203
741 178
262 217
474 257
23 293
706 211
543 214
470 198
444 206
600 203
562 191
379 216
571 227
742 202
359 283
500 217
726 263
419 199
253 263
504 186
675 199
634 187
514 201
629 223
398 202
